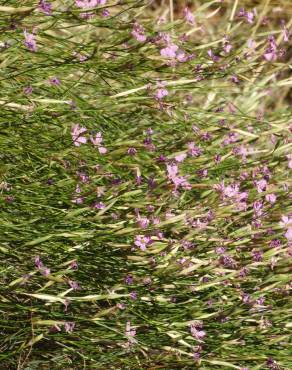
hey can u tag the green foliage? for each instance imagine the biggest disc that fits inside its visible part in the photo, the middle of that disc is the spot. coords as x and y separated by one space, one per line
114 92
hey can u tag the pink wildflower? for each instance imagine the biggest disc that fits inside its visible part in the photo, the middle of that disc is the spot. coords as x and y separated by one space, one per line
138 32
30 41
261 185
45 7
130 334
172 170
271 198
271 52
69 326
196 332
289 157
76 135
227 48
86 3
194 150
105 13
249 16
169 52
54 81
286 221
288 234
161 93
143 222
180 157
214 57
189 17
96 141
142 241
286 33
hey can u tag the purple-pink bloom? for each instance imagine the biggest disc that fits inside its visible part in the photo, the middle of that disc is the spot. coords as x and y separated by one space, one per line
161 93
38 263
73 284
250 17
76 135
142 241
288 234
54 81
88 3
45 7
169 52
214 57
143 222
261 185
30 41
189 17
197 332
286 221
96 141
286 33
194 150
180 157
130 333
99 205
289 157
69 326
172 170
28 90
138 32
271 198
105 13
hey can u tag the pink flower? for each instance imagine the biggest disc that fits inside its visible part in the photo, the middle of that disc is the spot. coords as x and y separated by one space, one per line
172 170
54 81
161 93
69 326
289 157
271 52
76 132
99 205
105 13
286 221
227 48
181 181
288 234
143 222
180 157
214 57
169 51
194 150
197 332
97 142
142 241
231 190
251 44
261 185
250 17
270 56
45 7
30 41
130 333
189 17
271 198
286 33
86 3
138 32
102 149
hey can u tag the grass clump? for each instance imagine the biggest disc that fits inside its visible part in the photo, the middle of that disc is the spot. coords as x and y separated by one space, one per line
145 208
